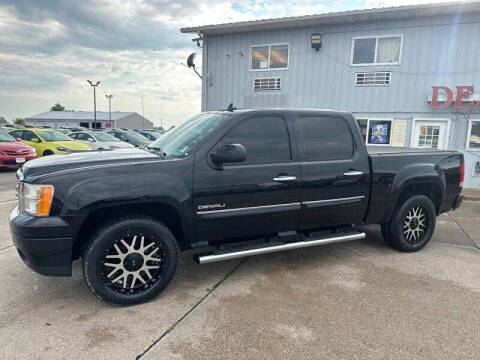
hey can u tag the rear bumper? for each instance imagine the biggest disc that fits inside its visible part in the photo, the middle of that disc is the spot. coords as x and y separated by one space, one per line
458 201
45 255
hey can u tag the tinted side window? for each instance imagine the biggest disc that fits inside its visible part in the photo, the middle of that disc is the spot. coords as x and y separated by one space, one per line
324 138
82 136
17 134
265 139
28 136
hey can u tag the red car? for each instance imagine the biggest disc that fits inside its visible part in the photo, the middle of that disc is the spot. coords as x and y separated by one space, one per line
13 153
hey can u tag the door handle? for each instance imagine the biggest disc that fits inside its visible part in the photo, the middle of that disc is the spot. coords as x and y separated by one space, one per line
284 178
353 173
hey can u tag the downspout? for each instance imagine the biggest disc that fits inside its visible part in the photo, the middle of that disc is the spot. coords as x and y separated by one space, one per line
204 72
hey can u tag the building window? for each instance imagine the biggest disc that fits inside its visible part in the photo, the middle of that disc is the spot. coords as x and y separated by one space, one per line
473 139
428 136
376 131
266 84
377 50
269 57
381 78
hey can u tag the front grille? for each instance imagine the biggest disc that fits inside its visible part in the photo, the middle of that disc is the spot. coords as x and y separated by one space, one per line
15 153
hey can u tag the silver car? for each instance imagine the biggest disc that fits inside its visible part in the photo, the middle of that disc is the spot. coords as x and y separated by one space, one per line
99 140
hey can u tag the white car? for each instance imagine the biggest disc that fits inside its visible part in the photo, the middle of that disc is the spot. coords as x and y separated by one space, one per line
99 140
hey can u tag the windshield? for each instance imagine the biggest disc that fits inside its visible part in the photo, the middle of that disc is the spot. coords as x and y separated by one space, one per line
101 136
182 139
53 136
135 136
4 137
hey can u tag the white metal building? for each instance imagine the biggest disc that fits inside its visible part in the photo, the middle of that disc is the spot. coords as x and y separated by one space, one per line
129 120
410 74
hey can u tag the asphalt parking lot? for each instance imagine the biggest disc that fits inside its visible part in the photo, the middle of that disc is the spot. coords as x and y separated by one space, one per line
351 300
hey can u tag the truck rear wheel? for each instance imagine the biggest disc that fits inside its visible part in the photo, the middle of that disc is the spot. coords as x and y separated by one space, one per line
130 260
412 224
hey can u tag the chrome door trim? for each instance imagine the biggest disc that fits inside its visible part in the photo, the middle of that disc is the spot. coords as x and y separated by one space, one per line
329 202
249 210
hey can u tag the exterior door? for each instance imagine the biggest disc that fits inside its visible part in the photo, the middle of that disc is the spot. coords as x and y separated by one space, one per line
335 172
430 134
257 197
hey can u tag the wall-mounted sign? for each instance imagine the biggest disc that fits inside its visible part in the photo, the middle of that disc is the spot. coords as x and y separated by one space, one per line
464 98
476 169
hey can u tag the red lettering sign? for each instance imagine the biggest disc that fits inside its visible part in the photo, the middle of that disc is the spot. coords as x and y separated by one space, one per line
461 92
448 101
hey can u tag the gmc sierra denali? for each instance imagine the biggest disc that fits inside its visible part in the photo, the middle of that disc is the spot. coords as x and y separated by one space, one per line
243 182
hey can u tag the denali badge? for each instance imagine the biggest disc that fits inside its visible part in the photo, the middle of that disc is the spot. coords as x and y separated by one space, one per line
211 206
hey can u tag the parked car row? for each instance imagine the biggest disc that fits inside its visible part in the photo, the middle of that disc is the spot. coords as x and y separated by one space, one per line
14 153
18 145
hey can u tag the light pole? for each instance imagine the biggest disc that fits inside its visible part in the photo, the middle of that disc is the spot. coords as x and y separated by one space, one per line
109 97
94 102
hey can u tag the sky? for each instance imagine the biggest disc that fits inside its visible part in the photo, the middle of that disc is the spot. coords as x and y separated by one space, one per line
49 48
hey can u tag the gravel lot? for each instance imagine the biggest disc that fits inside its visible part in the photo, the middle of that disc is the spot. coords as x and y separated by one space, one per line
351 300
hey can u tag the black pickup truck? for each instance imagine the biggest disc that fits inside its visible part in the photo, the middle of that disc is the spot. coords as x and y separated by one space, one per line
243 182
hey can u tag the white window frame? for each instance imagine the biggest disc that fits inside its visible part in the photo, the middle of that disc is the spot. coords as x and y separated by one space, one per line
469 132
269 47
447 135
376 48
368 130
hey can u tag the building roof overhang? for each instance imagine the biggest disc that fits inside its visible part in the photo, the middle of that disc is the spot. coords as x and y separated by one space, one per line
352 16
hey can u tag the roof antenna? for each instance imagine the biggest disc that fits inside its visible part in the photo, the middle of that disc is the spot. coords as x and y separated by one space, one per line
231 108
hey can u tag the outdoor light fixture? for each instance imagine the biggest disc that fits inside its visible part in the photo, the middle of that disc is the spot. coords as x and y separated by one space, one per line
316 41
94 85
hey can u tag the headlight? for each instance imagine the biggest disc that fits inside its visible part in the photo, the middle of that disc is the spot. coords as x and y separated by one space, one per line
33 150
35 199
61 148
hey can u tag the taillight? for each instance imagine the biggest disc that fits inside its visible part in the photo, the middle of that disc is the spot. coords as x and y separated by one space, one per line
462 173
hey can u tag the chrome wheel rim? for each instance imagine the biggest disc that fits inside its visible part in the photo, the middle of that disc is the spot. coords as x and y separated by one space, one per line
415 225
133 264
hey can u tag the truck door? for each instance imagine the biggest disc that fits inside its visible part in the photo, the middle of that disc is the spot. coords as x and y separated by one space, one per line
335 172
256 197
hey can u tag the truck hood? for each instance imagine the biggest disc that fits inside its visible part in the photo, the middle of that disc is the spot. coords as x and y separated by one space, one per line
55 163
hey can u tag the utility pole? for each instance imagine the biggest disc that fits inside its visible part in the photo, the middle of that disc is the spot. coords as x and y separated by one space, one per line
110 97
94 102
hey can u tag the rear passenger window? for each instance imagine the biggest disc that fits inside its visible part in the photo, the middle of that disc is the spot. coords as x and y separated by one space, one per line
324 138
265 139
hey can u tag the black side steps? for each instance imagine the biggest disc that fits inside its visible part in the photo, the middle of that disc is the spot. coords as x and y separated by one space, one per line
275 246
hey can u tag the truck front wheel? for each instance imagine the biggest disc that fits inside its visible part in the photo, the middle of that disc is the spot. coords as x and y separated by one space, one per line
130 260
412 224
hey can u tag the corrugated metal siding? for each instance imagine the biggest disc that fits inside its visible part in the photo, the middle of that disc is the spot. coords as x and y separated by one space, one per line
436 51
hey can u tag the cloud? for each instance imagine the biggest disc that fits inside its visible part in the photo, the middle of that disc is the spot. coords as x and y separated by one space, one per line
49 48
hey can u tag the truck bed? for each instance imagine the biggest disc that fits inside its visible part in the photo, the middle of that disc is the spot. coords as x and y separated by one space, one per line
389 150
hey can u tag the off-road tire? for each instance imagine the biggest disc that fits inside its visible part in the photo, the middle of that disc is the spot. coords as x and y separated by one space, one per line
394 232
105 238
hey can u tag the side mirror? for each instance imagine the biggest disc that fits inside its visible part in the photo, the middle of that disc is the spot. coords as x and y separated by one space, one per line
19 139
229 153
90 139
35 140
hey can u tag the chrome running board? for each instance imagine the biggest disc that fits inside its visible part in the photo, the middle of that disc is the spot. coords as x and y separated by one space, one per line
265 248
